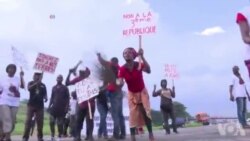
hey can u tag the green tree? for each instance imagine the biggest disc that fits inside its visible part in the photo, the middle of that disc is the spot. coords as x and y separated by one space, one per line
156 117
180 110
248 115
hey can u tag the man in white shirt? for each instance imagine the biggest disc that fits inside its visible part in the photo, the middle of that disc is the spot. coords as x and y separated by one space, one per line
9 100
239 93
73 105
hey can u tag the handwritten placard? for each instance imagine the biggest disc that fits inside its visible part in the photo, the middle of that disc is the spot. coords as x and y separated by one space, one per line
86 89
46 63
138 24
171 71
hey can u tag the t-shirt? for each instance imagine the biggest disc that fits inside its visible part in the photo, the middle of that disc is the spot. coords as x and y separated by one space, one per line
112 87
7 97
134 78
73 104
37 94
59 99
239 89
166 97
244 15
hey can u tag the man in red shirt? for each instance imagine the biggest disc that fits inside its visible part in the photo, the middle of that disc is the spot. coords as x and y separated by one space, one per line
138 98
82 109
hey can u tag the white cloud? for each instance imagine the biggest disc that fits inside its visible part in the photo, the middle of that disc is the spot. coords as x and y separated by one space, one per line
211 31
8 5
129 2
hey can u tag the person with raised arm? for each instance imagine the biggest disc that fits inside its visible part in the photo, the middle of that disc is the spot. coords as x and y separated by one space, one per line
114 95
138 98
82 108
35 106
9 100
167 107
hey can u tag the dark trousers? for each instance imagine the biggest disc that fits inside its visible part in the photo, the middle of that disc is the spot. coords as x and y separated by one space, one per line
103 111
60 121
39 114
120 115
72 125
81 114
66 123
168 111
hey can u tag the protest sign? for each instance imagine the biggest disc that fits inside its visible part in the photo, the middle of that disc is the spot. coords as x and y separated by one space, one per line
46 63
86 89
138 24
171 71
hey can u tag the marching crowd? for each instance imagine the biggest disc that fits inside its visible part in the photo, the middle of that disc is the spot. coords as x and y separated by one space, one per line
110 99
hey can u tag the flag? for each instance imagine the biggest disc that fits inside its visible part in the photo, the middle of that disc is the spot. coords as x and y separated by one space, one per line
18 58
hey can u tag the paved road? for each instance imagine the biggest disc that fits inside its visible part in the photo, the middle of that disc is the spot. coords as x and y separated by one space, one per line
205 133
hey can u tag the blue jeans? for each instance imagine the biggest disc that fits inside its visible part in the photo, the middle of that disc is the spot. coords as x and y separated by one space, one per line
103 111
120 115
113 98
241 110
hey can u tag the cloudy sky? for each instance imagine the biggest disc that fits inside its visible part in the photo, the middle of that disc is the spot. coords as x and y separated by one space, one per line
200 37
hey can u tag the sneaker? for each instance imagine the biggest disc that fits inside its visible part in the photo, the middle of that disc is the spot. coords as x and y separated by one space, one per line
105 137
246 126
122 137
151 137
77 139
168 132
24 139
91 139
112 139
133 138
99 136
175 131
65 136
53 139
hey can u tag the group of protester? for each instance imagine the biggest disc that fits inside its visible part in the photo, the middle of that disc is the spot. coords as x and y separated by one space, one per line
109 100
